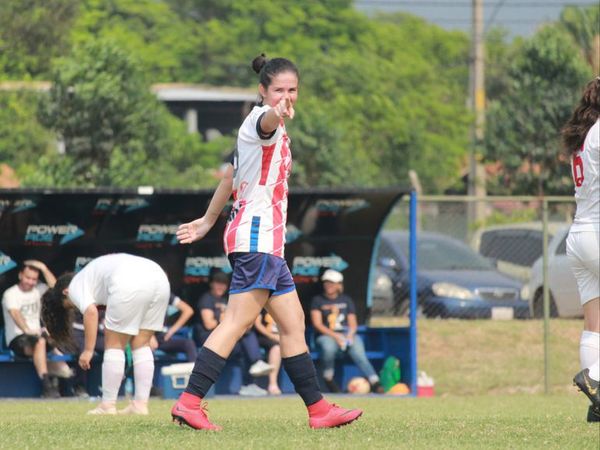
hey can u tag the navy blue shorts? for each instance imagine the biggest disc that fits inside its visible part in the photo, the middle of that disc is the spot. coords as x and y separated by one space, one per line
260 271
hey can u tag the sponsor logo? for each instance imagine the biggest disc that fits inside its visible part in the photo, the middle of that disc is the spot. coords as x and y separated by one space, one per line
81 262
292 233
6 263
198 268
334 207
306 268
23 205
46 234
4 205
156 234
124 205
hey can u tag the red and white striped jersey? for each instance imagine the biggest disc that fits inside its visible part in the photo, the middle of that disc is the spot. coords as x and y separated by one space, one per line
586 176
262 165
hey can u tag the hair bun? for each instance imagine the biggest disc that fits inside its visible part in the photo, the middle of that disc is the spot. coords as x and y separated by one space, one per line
259 62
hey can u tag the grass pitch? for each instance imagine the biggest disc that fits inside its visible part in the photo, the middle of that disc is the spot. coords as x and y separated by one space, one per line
516 421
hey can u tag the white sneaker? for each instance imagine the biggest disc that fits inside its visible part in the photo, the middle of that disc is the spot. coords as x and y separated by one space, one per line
260 369
103 410
135 408
252 390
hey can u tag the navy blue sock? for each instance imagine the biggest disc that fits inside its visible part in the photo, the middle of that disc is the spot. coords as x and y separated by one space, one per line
303 375
207 369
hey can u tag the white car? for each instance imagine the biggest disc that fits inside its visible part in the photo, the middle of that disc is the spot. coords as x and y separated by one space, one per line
514 247
564 297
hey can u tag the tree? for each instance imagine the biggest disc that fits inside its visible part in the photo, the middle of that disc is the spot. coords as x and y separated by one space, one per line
523 122
23 140
379 96
32 33
385 94
148 29
115 132
583 24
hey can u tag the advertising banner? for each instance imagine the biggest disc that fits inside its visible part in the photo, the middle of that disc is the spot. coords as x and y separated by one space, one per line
66 229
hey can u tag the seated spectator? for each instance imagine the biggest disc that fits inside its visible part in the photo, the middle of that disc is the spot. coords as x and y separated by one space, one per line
333 316
21 306
268 339
212 306
165 340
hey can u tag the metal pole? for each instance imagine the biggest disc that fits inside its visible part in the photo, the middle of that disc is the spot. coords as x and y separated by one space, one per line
413 290
476 177
546 292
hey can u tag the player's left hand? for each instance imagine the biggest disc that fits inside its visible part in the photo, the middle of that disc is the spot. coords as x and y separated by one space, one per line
193 231
153 343
85 358
168 335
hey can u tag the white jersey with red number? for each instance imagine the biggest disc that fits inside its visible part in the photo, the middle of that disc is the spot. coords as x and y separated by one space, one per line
260 188
586 176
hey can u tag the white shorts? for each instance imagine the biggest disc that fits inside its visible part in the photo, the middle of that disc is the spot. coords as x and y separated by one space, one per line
137 299
583 248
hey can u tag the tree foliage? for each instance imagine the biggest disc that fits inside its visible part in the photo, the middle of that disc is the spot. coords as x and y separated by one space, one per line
148 29
523 121
22 139
378 95
583 24
385 95
32 33
115 132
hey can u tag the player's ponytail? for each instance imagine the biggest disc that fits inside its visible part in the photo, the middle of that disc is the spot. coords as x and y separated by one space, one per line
57 318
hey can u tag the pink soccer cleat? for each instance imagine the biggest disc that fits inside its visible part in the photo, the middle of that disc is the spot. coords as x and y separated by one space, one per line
333 417
193 416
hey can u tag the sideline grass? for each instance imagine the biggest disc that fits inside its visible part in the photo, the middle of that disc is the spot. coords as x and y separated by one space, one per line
474 357
517 421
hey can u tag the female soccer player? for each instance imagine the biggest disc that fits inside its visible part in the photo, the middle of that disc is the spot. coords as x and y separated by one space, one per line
135 291
254 239
581 138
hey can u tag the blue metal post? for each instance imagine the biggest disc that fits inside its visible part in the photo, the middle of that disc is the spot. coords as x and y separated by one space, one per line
413 290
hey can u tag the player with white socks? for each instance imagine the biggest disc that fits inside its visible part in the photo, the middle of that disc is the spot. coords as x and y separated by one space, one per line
581 138
135 292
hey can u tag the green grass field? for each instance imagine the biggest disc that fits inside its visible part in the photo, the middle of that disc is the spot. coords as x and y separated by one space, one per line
518 421
489 394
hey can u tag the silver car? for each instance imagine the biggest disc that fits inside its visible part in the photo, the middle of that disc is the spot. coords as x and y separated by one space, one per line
564 297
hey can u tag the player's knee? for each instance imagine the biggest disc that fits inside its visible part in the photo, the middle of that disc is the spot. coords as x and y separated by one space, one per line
233 328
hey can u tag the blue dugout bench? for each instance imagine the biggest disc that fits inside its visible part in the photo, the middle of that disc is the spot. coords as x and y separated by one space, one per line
19 379
379 344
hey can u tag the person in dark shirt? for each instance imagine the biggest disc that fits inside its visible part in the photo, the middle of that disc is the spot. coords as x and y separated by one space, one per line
333 316
213 307
178 314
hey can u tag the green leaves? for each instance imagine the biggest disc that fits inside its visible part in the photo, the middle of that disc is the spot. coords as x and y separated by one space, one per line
379 96
115 132
524 120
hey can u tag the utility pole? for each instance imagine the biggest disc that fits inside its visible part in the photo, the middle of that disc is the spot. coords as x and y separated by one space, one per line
476 179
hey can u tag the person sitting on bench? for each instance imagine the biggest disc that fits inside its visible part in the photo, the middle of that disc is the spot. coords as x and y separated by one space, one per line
333 316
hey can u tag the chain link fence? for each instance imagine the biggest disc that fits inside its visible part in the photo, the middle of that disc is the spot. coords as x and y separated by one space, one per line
481 267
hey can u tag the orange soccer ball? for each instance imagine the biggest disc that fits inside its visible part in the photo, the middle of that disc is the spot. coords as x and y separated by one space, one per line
359 385
399 389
